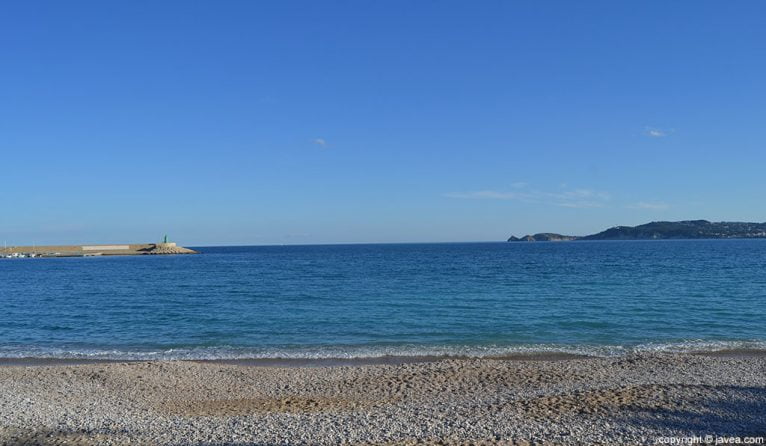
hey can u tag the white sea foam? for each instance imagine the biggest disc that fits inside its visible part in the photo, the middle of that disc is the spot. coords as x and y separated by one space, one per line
377 351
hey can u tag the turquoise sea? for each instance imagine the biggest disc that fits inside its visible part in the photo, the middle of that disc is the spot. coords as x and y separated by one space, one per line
353 301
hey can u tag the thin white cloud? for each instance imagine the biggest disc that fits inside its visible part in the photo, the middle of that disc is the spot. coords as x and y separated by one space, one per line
320 142
649 205
571 198
655 132
581 204
487 194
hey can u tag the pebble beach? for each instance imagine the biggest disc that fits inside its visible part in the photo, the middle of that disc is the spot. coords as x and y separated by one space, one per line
634 399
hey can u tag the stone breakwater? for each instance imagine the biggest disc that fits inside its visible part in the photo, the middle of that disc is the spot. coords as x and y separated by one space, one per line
95 250
636 399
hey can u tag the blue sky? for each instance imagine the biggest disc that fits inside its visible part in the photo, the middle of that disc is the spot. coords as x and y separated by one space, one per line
246 122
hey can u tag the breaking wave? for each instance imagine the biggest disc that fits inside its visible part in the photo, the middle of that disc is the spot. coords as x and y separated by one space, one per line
370 351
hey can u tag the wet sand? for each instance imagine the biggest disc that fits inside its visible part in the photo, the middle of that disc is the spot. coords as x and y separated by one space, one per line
633 399
294 362
335 362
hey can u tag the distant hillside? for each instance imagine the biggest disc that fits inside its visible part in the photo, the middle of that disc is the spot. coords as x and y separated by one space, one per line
659 230
681 230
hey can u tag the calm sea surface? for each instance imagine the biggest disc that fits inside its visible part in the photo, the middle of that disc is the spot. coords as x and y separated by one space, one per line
371 300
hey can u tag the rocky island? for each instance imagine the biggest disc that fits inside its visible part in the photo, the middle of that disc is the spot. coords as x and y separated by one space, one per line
543 237
662 230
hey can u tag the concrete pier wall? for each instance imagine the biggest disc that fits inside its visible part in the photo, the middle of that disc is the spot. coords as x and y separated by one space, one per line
106 250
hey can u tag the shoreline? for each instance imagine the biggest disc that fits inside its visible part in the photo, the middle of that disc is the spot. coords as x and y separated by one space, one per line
369 361
293 362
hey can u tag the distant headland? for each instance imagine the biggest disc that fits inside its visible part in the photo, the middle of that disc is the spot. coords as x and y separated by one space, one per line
661 230
162 248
